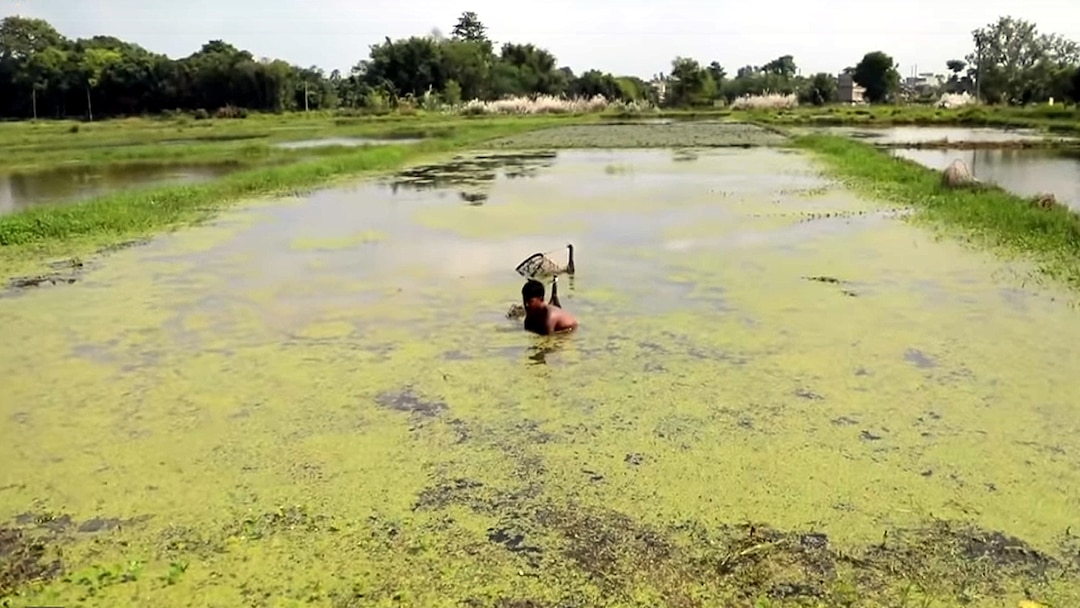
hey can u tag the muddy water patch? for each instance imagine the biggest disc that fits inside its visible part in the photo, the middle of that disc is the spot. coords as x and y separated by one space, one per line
23 191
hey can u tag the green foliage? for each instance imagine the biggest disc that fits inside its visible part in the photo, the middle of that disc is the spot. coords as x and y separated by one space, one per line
44 73
452 92
777 76
877 73
781 66
1015 63
820 91
470 28
595 82
691 84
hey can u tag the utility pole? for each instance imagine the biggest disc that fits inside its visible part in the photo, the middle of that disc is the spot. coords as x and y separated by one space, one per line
305 97
978 68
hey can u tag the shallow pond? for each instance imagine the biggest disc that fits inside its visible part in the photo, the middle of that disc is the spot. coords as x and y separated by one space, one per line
21 191
1026 172
920 135
343 141
778 390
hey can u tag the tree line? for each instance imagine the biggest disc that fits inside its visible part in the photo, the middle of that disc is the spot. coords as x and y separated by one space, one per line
44 74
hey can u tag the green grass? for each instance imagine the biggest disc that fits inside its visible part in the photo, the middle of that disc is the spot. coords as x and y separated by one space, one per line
28 146
988 215
30 238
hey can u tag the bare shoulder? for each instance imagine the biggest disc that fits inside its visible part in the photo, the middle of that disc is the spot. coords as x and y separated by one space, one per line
562 320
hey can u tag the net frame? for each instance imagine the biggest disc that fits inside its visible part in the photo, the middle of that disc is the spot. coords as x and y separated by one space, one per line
537 265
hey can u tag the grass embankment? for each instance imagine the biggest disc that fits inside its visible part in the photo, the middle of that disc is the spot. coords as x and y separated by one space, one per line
30 239
28 146
987 214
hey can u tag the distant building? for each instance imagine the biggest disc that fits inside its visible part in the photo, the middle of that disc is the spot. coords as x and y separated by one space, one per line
925 84
847 91
660 86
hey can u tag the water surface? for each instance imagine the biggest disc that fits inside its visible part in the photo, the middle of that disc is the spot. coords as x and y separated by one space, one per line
1027 172
778 390
62 185
924 134
343 141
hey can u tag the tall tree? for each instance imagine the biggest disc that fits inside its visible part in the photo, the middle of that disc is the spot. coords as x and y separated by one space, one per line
94 63
878 74
33 48
691 84
821 89
717 72
1014 63
781 66
470 28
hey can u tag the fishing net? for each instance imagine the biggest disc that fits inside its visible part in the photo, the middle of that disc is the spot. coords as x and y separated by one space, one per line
537 265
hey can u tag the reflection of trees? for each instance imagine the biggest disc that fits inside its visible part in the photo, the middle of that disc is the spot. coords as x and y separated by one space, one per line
20 191
479 170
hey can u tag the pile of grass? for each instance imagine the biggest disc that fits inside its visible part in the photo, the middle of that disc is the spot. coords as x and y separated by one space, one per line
988 215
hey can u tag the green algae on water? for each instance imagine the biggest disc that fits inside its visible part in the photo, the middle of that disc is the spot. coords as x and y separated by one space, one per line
208 420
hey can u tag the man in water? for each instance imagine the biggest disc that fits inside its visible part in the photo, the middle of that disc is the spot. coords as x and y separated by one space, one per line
541 318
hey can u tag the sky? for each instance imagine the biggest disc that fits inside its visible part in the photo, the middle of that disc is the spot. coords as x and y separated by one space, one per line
624 37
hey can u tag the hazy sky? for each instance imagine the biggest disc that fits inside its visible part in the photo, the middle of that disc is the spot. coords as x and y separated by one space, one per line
636 37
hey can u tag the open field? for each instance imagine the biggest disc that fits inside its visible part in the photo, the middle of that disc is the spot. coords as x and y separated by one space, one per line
803 378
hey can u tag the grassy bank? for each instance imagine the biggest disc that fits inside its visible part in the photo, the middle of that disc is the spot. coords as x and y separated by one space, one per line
31 238
1056 119
988 215
28 146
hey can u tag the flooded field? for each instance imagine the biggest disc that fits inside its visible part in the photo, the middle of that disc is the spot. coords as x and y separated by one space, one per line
324 142
778 391
704 133
21 191
902 135
1025 172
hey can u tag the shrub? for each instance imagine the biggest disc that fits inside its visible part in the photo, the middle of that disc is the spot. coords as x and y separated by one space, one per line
541 104
955 100
768 101
231 112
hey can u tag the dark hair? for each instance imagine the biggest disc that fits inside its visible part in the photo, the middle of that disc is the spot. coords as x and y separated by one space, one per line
532 289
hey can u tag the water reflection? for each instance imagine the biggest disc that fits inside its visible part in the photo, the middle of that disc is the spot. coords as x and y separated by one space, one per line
1025 172
472 170
22 191
304 144
921 135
